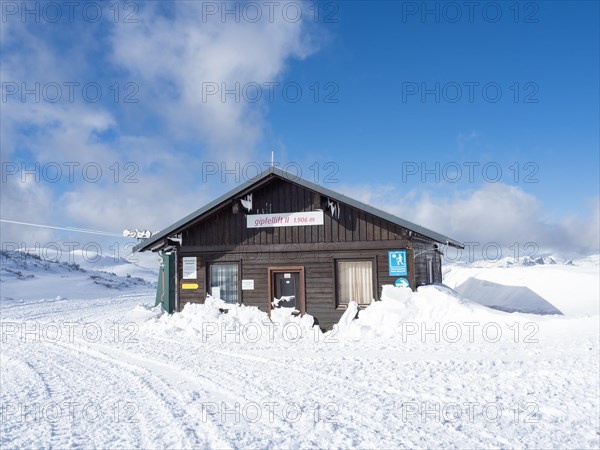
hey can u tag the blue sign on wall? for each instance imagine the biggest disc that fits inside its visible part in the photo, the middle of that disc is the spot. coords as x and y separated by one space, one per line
402 282
397 262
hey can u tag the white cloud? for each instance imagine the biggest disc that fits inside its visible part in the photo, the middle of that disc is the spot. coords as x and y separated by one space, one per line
168 56
494 213
467 138
144 205
28 202
175 58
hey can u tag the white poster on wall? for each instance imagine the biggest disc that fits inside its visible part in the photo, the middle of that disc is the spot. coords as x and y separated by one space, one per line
284 219
189 267
247 285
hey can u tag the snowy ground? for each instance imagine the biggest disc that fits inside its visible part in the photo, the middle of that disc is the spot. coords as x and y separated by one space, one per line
528 285
422 370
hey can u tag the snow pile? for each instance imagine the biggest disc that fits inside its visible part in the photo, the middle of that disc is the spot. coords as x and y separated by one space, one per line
217 321
402 312
142 313
432 314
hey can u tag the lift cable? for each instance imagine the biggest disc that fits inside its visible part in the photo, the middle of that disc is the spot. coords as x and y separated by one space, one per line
78 230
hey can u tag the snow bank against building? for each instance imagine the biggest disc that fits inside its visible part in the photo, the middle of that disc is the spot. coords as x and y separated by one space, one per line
437 314
401 306
217 321
431 315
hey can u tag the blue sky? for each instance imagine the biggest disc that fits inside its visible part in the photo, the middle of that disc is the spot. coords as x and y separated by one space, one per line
369 63
372 53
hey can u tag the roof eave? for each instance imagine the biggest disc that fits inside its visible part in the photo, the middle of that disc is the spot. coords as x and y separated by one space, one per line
197 215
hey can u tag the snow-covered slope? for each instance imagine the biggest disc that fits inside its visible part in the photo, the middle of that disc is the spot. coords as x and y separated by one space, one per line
543 286
137 265
27 277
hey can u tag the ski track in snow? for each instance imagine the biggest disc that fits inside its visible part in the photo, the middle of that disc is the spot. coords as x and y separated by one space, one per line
164 389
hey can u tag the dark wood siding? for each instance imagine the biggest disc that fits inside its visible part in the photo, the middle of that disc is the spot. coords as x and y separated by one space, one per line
191 295
280 196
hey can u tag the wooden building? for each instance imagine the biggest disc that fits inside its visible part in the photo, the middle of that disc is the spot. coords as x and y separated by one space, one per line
282 241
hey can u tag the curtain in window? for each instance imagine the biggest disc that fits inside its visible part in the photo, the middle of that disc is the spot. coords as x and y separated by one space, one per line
355 282
225 277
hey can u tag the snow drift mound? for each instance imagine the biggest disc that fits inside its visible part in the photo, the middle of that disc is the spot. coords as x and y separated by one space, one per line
216 321
429 305
401 316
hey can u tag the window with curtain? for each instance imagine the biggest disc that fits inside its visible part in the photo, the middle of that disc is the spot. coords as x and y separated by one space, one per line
225 278
355 282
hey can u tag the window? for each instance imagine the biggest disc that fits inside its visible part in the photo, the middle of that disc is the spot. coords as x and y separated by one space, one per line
355 282
224 282
429 270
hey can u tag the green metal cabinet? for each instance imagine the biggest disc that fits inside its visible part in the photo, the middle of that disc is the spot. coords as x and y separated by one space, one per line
165 292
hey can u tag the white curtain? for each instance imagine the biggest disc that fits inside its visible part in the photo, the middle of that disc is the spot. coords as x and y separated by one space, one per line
225 277
355 282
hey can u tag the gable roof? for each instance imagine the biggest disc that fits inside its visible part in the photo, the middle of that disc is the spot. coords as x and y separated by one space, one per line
275 171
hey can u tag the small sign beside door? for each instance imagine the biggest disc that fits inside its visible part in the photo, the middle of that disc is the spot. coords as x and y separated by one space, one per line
397 263
402 282
247 285
189 267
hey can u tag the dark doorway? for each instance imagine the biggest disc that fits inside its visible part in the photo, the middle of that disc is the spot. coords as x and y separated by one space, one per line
286 288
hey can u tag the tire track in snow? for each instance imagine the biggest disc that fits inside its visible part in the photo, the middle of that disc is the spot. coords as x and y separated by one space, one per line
84 388
150 375
360 410
187 388
356 411
105 378
12 434
67 308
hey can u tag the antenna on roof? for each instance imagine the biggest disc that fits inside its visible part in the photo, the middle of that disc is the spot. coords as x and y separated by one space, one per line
272 158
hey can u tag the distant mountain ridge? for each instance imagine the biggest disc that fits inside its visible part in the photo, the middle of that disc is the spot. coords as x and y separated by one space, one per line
25 276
